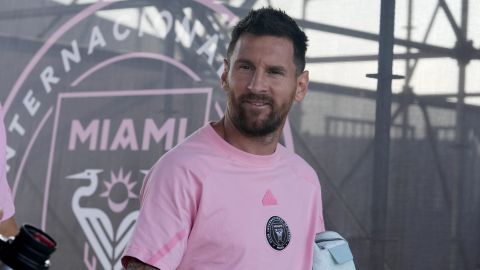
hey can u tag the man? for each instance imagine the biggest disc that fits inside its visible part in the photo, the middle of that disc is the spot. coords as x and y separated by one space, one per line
231 197
8 226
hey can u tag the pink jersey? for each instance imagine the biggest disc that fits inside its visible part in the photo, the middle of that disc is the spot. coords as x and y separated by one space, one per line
208 205
6 203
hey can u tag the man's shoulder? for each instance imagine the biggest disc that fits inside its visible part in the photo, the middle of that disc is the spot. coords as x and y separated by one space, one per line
182 166
300 166
194 154
192 148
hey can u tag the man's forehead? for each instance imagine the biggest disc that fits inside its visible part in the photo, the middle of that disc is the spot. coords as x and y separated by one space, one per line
274 47
266 40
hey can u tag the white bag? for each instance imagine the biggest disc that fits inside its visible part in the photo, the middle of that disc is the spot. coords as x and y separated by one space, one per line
331 252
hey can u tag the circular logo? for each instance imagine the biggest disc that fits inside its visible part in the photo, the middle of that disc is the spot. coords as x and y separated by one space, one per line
278 233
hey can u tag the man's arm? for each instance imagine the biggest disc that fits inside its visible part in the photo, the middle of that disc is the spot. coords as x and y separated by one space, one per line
8 227
134 264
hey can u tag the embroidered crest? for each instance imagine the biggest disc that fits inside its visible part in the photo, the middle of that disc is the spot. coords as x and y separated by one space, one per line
278 233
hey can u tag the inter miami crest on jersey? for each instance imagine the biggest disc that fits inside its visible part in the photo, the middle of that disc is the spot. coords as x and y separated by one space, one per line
278 234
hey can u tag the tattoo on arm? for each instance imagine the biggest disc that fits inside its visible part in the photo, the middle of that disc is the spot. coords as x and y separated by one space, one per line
134 264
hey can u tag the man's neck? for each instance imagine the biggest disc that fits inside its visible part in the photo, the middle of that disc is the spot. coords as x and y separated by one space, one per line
265 145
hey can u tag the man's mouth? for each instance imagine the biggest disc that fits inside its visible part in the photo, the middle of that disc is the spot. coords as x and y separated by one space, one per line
258 103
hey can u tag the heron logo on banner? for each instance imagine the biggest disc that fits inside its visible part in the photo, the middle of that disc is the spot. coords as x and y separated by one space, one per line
107 243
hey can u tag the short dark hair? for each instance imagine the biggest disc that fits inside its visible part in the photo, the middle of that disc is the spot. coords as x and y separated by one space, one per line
268 21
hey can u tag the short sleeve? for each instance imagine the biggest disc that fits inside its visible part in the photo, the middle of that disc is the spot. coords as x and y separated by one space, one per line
318 208
168 200
320 221
6 202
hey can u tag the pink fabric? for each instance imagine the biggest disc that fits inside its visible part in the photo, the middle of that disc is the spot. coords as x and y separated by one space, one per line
167 247
223 198
6 202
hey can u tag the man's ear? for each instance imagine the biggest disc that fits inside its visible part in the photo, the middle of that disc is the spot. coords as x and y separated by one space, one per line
302 86
224 77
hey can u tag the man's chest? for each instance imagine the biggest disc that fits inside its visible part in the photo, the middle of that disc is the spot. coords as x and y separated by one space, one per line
243 213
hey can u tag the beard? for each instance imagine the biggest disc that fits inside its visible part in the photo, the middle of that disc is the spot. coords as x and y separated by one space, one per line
250 122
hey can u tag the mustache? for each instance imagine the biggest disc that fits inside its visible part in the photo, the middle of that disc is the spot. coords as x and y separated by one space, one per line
251 97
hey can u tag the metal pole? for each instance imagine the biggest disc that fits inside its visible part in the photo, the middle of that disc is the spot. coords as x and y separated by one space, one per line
401 183
460 168
382 134
407 90
461 140
408 69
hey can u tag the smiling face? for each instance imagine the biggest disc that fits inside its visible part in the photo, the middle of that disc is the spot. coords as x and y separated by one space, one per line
262 82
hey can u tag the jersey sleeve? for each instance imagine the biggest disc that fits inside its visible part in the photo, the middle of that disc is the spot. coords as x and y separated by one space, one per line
320 221
168 200
6 202
320 224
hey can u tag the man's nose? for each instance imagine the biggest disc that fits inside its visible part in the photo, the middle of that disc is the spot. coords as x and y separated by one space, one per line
258 82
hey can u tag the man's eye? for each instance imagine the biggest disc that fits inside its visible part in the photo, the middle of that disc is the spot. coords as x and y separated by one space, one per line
247 67
276 72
